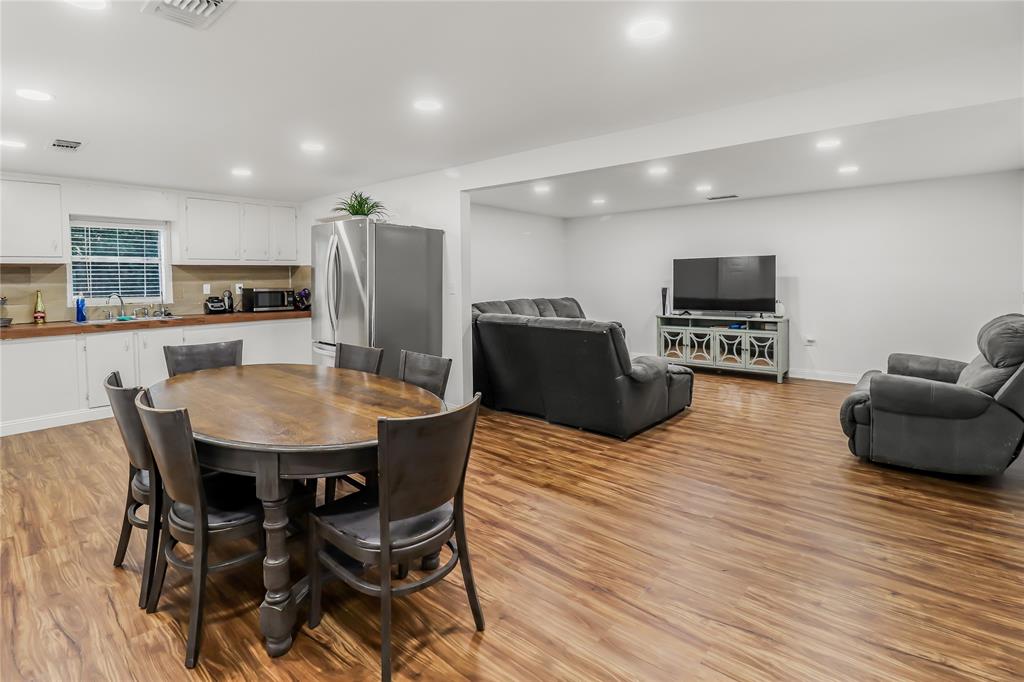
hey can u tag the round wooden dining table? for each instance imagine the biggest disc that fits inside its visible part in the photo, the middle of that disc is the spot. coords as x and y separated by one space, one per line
281 423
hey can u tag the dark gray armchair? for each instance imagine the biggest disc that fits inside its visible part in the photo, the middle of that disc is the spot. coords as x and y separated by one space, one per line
943 415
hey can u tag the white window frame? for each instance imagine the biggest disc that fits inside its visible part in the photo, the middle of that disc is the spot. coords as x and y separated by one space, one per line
166 285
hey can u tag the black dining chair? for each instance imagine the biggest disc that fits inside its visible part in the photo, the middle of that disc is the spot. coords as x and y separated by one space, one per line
191 358
360 358
417 509
429 372
196 511
143 479
426 371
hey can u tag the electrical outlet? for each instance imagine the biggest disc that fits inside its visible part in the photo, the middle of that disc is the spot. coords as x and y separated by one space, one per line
810 341
238 288
206 289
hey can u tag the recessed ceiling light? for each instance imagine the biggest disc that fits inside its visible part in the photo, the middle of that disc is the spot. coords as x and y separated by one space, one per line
542 188
648 30
34 95
88 4
828 143
848 170
703 188
241 172
13 144
428 104
312 147
657 170
598 201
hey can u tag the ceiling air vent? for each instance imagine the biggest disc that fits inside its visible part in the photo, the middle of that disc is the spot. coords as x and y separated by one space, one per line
198 14
724 196
66 145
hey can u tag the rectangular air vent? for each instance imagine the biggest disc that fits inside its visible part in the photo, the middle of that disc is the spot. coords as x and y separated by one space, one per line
198 14
66 145
724 196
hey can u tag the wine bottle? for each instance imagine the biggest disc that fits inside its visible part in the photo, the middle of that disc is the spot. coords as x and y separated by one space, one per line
39 312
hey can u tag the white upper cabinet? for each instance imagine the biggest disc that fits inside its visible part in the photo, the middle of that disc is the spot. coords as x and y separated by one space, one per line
283 235
31 222
255 232
212 230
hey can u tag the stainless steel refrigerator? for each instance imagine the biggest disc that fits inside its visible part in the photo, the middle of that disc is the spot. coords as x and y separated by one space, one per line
376 284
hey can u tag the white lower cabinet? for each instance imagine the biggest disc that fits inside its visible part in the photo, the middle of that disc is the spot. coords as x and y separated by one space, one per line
150 347
38 377
58 380
104 353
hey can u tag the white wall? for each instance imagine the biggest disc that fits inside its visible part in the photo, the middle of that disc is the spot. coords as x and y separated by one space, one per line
438 199
516 255
912 267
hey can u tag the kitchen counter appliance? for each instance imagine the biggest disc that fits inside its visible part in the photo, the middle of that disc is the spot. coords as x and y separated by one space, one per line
376 284
267 300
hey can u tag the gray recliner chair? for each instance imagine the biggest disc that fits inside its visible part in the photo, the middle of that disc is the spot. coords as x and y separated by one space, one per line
943 415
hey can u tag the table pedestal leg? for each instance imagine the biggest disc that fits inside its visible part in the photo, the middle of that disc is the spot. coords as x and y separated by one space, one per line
277 612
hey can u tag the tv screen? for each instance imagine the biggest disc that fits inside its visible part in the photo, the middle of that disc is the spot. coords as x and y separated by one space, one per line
738 284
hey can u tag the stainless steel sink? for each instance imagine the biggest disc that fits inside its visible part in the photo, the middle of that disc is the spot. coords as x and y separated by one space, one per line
134 319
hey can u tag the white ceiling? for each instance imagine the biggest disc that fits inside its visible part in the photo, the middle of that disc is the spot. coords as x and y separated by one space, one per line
161 104
978 139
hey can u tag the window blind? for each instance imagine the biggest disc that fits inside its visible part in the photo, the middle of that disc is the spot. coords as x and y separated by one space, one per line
123 260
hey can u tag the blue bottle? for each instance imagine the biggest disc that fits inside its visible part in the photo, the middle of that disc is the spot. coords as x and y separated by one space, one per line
80 309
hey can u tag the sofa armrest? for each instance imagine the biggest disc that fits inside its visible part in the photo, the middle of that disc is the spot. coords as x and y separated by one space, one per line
647 368
926 398
925 367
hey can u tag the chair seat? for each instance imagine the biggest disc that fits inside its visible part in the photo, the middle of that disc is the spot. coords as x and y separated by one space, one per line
230 501
358 516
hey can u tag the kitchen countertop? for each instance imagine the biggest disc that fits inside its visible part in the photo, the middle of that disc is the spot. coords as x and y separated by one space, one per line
31 330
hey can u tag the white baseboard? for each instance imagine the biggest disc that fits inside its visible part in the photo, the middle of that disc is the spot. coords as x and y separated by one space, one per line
51 420
823 375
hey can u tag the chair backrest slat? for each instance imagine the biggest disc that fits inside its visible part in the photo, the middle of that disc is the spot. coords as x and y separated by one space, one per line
194 357
174 450
360 358
426 371
422 460
122 404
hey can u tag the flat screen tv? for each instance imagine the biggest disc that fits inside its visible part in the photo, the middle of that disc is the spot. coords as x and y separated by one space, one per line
744 284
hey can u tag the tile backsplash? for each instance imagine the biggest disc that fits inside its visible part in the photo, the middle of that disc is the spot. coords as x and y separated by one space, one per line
20 282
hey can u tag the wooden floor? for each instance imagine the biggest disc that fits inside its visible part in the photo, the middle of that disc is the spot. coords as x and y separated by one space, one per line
740 541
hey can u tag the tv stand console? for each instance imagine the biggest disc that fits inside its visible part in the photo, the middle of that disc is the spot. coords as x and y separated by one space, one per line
758 345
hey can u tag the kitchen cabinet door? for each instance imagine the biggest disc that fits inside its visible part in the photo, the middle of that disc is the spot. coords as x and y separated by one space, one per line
279 341
283 241
150 346
104 353
255 232
33 225
212 230
40 377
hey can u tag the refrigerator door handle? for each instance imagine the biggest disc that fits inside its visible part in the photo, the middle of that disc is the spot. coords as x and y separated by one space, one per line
332 285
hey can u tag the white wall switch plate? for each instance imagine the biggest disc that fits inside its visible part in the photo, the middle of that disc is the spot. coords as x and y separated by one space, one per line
206 289
238 288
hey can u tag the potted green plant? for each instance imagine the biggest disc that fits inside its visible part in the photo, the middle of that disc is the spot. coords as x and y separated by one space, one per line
359 204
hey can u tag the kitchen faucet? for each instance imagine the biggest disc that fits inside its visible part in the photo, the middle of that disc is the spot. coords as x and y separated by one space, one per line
120 298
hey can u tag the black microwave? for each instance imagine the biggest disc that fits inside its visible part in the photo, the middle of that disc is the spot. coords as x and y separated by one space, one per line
267 300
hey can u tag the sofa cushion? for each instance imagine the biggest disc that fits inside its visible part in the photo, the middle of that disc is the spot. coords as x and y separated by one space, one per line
1001 341
597 326
523 306
492 307
982 376
559 307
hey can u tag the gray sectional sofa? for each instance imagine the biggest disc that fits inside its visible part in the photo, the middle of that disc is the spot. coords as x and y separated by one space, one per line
944 415
542 357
